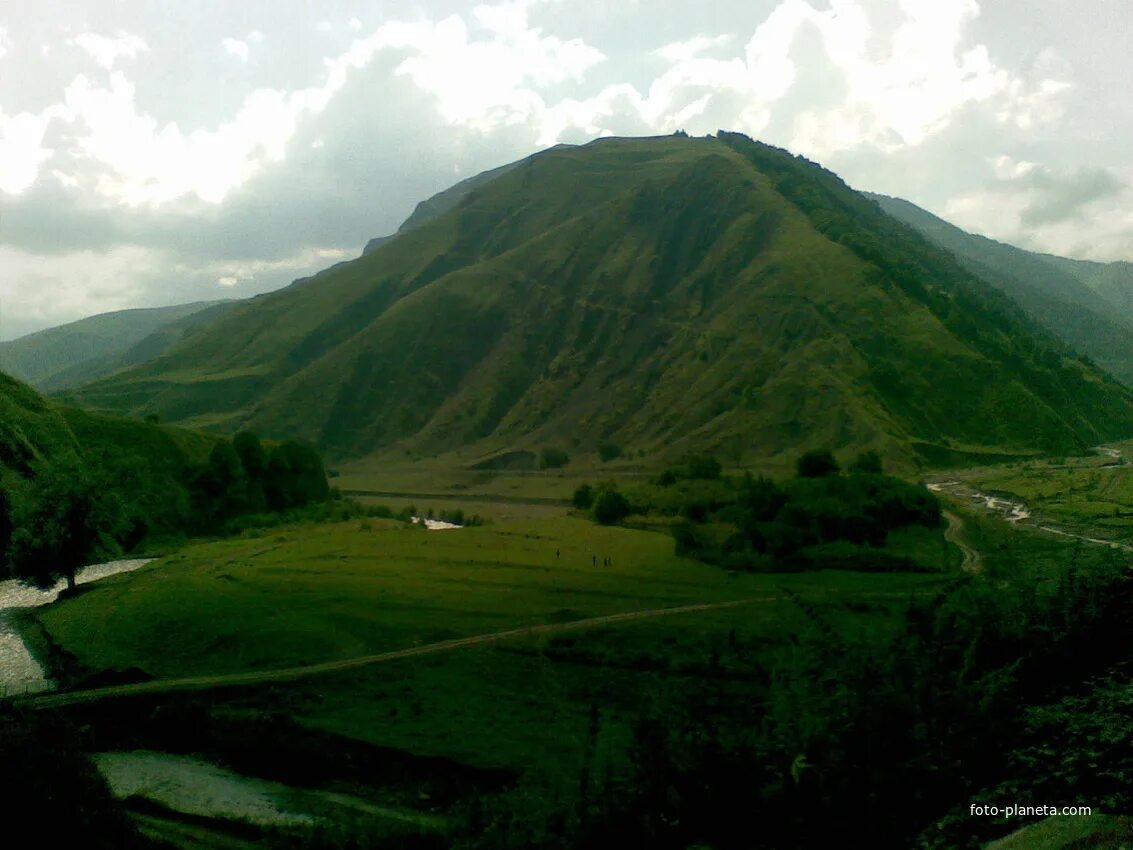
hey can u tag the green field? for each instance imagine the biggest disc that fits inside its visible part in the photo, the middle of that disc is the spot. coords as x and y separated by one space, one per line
313 594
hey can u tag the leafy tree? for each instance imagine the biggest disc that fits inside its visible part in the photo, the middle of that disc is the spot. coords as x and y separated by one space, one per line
818 463
60 526
610 506
254 460
220 489
552 458
251 453
295 476
868 463
583 497
608 452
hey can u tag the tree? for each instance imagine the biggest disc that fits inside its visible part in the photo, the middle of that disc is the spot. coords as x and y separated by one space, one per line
608 452
610 506
220 489
295 476
868 463
552 458
583 497
251 453
818 463
59 528
254 460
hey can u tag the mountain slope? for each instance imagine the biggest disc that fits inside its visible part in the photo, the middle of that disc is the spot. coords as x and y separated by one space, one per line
665 294
82 351
1052 289
1112 282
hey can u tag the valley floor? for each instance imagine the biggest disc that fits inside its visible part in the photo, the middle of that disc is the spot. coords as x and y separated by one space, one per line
450 665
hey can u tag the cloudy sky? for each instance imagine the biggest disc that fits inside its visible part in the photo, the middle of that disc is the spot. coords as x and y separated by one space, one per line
158 153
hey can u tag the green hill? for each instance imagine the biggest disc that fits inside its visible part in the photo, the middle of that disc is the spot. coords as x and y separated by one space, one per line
1064 296
82 351
665 295
144 466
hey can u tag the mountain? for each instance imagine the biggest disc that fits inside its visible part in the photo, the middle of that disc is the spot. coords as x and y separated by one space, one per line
1111 281
1073 299
664 294
82 351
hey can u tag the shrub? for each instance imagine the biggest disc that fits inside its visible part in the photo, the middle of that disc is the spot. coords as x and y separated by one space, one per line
868 463
816 464
610 507
552 458
608 452
583 497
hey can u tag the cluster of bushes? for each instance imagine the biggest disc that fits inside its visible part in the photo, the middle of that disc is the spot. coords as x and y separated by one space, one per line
823 517
780 525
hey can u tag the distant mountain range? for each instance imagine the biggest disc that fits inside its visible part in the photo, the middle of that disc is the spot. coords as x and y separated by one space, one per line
667 295
72 354
1089 305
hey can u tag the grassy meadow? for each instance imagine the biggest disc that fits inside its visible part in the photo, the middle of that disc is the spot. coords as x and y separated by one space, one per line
309 594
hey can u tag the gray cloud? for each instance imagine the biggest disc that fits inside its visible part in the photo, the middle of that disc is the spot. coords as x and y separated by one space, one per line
1057 198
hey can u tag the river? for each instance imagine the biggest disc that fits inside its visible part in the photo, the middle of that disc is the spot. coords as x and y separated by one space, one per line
1015 511
19 671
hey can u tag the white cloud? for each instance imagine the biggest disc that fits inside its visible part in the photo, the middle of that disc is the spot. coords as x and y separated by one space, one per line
683 51
487 82
4 42
106 50
1080 212
142 162
55 289
22 151
242 48
236 47
229 275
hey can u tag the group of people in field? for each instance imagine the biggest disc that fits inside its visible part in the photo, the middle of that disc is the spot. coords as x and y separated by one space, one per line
606 561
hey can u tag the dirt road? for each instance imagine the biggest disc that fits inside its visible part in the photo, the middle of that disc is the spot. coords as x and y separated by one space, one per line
288 674
971 562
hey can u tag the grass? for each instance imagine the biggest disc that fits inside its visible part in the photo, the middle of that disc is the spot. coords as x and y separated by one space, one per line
318 593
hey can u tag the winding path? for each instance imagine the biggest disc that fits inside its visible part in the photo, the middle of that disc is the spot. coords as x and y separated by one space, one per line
288 674
970 562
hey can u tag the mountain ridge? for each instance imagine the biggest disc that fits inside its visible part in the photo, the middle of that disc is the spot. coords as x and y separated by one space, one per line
1052 289
63 356
669 294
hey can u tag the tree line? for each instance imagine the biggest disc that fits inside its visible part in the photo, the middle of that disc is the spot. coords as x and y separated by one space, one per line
69 510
